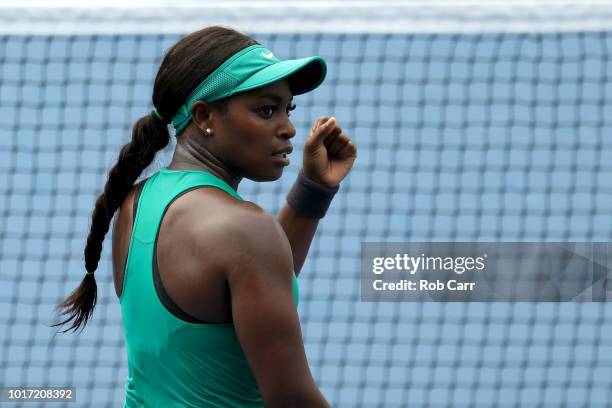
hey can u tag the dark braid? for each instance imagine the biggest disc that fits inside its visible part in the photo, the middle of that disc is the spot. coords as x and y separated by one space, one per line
185 65
148 136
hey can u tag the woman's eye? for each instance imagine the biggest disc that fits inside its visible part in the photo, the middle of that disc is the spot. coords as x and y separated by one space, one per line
267 112
290 108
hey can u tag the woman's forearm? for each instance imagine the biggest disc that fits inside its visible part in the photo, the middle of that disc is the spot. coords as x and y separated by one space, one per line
300 230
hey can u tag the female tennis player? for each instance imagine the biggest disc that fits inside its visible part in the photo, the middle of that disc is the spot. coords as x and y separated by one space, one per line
207 281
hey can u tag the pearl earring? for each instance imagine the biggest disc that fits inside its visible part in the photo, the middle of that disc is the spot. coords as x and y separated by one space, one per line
209 131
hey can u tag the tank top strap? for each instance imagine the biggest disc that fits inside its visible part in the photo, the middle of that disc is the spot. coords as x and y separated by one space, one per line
161 189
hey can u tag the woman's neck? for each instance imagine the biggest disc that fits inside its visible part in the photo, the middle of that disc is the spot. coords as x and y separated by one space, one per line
191 156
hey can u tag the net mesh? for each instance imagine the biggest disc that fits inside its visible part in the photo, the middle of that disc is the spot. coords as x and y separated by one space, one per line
461 137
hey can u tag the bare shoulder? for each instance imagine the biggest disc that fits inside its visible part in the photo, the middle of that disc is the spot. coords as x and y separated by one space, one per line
237 231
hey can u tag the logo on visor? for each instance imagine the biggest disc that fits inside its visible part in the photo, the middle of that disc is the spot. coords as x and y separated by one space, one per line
267 54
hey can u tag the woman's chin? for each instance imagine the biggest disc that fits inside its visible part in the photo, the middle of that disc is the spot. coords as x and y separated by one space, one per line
272 175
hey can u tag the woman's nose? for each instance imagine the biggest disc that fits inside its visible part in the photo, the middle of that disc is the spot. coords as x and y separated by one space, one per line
287 130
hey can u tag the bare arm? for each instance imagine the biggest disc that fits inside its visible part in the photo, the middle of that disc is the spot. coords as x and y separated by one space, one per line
299 230
264 314
328 157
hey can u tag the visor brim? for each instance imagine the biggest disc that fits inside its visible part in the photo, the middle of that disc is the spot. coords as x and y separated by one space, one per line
304 74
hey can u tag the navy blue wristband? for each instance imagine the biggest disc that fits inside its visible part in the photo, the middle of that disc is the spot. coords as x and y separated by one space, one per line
310 199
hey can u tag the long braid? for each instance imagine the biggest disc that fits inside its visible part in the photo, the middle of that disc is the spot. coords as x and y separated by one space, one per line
149 135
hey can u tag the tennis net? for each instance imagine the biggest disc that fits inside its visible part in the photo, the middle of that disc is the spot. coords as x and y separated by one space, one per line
474 122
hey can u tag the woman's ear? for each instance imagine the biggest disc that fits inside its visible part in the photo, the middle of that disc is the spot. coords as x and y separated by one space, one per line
202 115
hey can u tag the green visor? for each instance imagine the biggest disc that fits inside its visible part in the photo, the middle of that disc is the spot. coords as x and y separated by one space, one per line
248 69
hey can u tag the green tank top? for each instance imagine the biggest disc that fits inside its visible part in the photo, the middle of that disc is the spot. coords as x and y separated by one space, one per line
173 362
